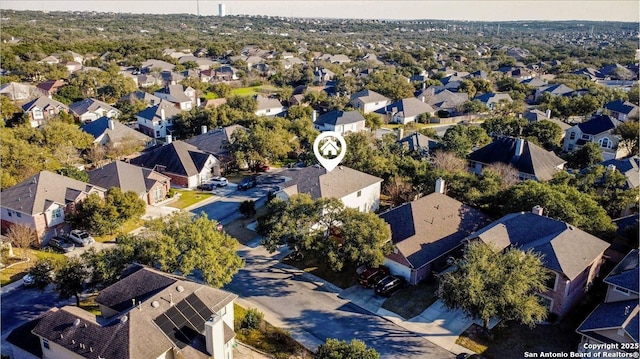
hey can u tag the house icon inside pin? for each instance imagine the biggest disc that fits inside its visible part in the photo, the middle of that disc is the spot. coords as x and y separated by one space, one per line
329 148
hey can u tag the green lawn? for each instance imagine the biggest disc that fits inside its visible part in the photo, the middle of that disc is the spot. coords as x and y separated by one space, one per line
254 90
209 96
511 340
188 198
9 275
412 300
314 264
267 338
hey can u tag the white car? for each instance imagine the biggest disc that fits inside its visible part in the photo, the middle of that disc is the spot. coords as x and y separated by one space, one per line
81 237
219 181
28 280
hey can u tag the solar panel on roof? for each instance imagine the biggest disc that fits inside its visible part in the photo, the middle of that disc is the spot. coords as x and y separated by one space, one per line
200 307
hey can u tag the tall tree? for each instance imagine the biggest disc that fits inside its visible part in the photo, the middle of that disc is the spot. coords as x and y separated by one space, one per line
340 349
547 133
487 283
22 237
585 156
628 133
70 277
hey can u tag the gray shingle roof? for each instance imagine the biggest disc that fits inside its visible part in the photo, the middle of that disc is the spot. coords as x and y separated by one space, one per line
119 133
629 167
621 106
534 160
154 113
430 227
89 105
566 249
627 273
613 315
368 96
318 183
44 103
176 93
35 194
598 124
336 117
142 96
267 102
215 141
178 157
409 107
125 176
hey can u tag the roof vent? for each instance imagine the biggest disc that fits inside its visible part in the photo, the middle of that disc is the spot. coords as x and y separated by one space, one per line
180 289
76 322
155 304
124 319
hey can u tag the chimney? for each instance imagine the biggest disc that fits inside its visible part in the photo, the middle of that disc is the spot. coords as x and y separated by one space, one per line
314 115
440 185
519 147
548 112
400 133
537 210
169 139
422 98
611 167
214 341
198 102
424 85
203 129
162 114
112 124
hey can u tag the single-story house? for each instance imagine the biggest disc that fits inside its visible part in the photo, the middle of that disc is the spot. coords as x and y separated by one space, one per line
622 110
151 186
268 106
406 110
339 121
111 132
91 109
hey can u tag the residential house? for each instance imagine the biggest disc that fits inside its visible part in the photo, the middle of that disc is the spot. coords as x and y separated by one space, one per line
598 130
43 109
157 121
417 142
42 201
152 187
203 64
153 65
216 142
19 92
554 90
50 60
353 188
444 100
531 161
147 314
50 87
268 106
406 110
91 109
494 100
185 164
339 121
225 73
322 75
183 97
629 167
572 255
368 101
147 98
427 231
110 132
334 59
613 327
146 80
622 110
534 82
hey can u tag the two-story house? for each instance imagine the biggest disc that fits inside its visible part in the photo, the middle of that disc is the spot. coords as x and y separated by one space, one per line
42 201
339 121
615 322
268 106
183 97
572 256
111 132
494 101
43 109
598 130
147 314
157 121
622 110
368 101
91 109
354 188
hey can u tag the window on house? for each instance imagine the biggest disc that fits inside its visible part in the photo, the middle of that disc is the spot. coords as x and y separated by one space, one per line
546 302
605 142
57 213
157 133
222 311
621 290
570 148
572 136
10 213
551 281
18 214
45 343
359 194
585 137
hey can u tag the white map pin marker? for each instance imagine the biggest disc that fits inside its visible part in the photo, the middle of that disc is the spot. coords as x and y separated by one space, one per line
327 152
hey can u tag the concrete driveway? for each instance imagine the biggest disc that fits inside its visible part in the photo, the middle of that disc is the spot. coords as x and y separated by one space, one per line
365 298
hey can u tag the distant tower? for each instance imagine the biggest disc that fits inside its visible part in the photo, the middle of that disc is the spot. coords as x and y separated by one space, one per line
221 12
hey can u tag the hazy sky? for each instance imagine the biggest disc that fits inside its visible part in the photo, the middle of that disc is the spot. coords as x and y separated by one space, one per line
620 10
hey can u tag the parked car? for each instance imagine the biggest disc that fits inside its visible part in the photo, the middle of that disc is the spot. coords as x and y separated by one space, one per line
81 238
369 277
219 181
206 187
247 182
388 285
61 244
28 280
261 167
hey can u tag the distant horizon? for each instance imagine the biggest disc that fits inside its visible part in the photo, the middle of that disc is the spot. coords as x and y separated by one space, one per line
400 10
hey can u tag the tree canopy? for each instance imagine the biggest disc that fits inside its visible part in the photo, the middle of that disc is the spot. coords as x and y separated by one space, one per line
341 349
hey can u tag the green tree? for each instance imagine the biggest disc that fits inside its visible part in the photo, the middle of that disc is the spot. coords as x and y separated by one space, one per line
585 156
184 243
42 272
128 204
460 139
340 349
7 108
487 283
107 265
628 133
547 133
373 121
70 277
247 208
73 172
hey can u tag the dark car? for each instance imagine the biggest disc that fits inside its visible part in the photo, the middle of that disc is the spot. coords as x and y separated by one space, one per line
61 244
369 276
246 183
206 187
389 285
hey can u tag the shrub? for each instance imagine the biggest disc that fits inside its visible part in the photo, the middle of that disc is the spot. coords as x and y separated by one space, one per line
252 319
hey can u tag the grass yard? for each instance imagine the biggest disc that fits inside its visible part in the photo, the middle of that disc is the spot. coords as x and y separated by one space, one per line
254 90
209 96
188 198
313 263
412 300
267 338
10 275
511 340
